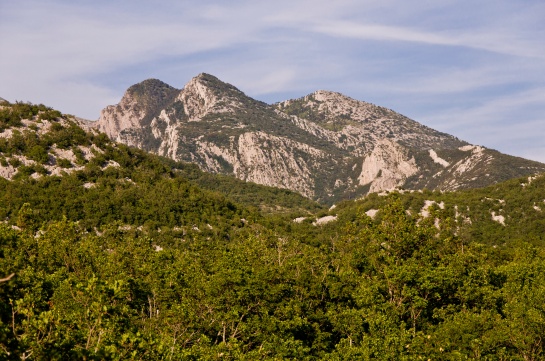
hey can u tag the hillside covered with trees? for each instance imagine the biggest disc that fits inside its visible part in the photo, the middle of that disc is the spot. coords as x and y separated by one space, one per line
117 254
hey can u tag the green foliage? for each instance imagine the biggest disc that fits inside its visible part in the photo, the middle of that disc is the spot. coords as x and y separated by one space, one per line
80 157
15 162
24 171
393 289
268 200
50 114
38 154
129 258
63 163
66 136
519 201
12 114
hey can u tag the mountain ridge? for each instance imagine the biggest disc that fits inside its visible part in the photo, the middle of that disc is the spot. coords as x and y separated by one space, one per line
325 145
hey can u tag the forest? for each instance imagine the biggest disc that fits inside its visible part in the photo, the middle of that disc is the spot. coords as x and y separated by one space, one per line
154 260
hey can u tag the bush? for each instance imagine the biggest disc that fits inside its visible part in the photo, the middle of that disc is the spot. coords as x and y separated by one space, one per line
25 171
40 169
50 115
15 162
80 157
39 154
64 163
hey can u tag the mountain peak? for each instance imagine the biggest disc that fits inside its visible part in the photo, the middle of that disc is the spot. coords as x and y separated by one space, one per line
327 93
327 96
329 106
150 93
213 84
149 84
205 93
207 77
140 102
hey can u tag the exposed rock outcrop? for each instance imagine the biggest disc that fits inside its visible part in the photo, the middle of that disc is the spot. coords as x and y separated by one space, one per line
387 167
138 106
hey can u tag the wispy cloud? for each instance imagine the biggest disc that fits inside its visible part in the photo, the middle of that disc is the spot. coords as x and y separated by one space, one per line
495 41
511 123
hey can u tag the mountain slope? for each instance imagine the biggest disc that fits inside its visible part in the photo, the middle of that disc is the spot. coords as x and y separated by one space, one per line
326 146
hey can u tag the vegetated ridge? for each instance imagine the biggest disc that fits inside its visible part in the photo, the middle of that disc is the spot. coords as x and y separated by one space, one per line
41 148
326 146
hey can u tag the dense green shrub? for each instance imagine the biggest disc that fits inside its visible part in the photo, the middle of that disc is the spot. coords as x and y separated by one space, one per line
38 153
63 163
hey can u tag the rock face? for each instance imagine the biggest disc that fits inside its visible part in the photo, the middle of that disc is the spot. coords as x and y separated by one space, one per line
387 167
141 103
325 145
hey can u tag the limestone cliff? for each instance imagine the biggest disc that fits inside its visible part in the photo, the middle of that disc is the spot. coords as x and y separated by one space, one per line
140 103
387 167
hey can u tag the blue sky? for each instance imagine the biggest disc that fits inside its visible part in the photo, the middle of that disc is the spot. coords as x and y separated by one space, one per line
473 69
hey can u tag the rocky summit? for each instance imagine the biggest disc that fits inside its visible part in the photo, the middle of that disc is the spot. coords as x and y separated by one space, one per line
325 145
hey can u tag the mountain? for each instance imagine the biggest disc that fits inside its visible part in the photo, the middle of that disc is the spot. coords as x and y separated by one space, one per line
326 146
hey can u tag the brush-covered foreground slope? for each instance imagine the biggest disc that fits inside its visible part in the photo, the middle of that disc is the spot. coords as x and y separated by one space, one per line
108 253
326 146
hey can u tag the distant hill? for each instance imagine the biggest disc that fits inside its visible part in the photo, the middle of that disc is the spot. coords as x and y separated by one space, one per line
505 214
